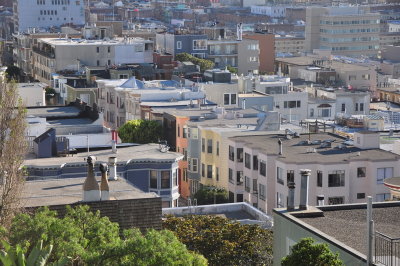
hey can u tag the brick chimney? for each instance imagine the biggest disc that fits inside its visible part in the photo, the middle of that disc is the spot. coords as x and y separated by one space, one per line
91 191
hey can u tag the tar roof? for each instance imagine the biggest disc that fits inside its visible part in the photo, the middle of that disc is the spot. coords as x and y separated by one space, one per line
56 111
349 225
69 190
306 60
300 154
146 152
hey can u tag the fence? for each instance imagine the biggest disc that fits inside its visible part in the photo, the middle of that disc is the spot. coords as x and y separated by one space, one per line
387 250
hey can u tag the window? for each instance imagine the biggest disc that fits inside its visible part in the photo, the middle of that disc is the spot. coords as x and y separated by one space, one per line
194 133
165 179
199 44
209 171
184 175
279 203
230 98
239 155
153 179
255 162
290 176
179 45
384 173
239 178
175 178
230 175
98 49
255 186
109 49
217 148
203 145
209 146
247 160
217 173
343 107
98 63
360 195
261 191
139 48
361 172
239 198
335 200
247 183
279 175
203 170
336 178
319 178
291 104
109 62
194 163
356 107
263 168
361 107
231 153
233 98
185 132
382 197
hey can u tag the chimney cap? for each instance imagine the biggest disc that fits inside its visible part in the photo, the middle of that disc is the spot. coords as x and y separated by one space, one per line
305 172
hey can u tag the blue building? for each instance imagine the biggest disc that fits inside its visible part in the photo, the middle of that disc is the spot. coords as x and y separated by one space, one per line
147 167
174 44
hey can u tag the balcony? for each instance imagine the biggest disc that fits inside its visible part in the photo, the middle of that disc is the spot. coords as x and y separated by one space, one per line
387 250
223 53
45 53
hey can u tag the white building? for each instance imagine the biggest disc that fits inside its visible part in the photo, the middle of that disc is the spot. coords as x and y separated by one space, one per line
32 94
271 11
56 54
342 174
47 13
394 26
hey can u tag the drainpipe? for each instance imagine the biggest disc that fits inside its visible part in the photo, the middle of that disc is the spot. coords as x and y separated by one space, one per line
305 176
370 231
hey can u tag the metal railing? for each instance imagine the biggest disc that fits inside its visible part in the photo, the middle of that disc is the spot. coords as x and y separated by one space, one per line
387 250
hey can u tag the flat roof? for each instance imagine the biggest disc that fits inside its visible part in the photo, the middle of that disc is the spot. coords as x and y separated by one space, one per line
298 154
54 111
307 60
70 190
349 226
145 152
84 42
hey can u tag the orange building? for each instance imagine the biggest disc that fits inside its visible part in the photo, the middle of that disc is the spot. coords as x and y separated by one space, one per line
181 147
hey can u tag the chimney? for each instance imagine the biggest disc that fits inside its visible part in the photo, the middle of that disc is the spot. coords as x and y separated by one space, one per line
104 188
280 147
112 162
291 186
91 190
305 175
320 200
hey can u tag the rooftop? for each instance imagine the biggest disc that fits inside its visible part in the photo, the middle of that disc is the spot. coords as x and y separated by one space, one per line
69 190
296 150
84 42
54 111
145 152
308 60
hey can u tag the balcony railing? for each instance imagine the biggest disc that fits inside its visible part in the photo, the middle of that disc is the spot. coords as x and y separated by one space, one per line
44 53
387 250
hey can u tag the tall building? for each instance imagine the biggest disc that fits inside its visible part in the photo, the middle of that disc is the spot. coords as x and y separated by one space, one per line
349 30
47 13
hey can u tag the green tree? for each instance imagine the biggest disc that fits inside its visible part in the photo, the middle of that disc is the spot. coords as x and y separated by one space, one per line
89 239
13 73
140 131
307 253
221 241
204 64
210 195
232 69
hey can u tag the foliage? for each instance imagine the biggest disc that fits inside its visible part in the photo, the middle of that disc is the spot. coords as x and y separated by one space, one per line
203 63
13 73
232 69
39 256
12 150
207 195
50 92
89 239
140 131
307 253
221 241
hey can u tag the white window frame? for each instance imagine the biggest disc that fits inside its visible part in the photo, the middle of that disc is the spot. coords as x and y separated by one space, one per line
201 47
179 45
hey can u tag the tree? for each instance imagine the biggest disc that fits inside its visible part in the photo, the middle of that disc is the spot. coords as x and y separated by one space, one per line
203 63
89 239
12 150
307 253
210 195
232 69
13 73
140 131
221 241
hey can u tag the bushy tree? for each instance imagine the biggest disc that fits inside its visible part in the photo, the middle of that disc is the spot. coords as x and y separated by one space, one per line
221 241
13 73
89 239
203 63
232 69
307 253
140 131
210 195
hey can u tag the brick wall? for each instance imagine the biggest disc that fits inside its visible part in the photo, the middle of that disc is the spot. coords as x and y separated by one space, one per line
140 213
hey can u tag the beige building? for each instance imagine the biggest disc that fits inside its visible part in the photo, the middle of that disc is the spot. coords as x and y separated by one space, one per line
242 55
349 30
51 55
289 44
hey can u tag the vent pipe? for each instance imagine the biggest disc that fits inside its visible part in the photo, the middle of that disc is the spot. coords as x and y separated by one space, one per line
280 147
104 188
112 163
305 176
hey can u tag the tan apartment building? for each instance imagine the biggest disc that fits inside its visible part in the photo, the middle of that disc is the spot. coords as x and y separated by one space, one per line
51 55
349 30
285 44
